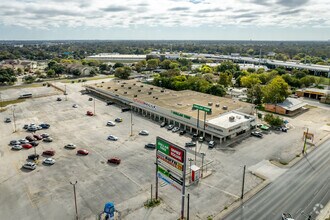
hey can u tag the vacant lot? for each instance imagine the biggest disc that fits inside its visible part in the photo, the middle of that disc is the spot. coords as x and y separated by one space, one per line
46 193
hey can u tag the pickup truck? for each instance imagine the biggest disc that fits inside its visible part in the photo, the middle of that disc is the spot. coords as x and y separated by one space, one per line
287 216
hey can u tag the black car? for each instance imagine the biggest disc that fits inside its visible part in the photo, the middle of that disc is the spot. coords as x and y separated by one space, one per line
7 120
110 103
182 132
195 136
33 156
256 134
150 146
90 99
125 109
190 144
44 125
163 124
58 99
25 126
34 143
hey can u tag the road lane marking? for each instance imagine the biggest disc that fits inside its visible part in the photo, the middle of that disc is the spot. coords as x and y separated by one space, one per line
228 193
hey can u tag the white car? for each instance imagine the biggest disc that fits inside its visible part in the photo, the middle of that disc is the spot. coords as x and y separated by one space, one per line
75 106
49 161
70 146
112 138
48 139
30 166
111 123
17 147
143 132
23 141
175 129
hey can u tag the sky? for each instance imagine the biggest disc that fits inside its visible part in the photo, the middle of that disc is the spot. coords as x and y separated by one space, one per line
165 20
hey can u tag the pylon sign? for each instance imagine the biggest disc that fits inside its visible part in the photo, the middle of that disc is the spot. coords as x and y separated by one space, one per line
171 165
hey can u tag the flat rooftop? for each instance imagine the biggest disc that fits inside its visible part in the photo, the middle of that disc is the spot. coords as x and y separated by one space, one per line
179 101
225 122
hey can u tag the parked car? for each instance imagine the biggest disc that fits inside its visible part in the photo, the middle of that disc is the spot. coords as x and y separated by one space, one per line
32 128
25 126
44 135
211 144
70 146
26 146
49 152
150 146
34 143
170 127
111 123
17 147
125 109
38 137
44 126
48 139
110 103
30 138
190 144
23 141
58 99
284 129
163 124
30 166
118 120
75 106
89 113
14 142
195 136
83 152
7 120
144 132
287 216
201 139
112 138
256 134
90 99
114 160
175 129
49 161
182 132
33 157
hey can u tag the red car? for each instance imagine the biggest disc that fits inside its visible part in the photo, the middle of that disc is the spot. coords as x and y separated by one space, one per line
30 138
114 160
27 146
89 113
37 136
82 152
49 152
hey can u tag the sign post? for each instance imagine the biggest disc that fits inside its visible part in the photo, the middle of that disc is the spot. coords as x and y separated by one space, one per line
205 110
171 167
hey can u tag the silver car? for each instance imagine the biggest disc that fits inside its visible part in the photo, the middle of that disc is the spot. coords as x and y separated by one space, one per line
143 132
23 141
15 142
30 166
48 139
17 147
49 161
112 138
70 146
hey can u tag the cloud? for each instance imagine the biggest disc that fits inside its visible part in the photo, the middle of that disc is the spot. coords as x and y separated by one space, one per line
290 12
210 10
179 9
292 3
116 8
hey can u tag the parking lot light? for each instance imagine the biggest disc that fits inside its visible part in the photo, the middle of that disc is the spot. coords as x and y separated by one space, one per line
75 198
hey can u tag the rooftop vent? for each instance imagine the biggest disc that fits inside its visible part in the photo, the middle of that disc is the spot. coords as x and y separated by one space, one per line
231 118
224 107
122 85
129 87
109 87
162 91
116 89
135 95
139 90
125 92
156 97
141 85
134 84
217 105
151 88
149 93
210 103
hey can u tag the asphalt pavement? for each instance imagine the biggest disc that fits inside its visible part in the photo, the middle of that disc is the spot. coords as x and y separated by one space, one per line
302 191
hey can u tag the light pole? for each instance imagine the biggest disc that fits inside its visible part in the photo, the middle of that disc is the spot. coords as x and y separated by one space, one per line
66 94
14 118
75 198
0 102
242 195
94 106
203 155
131 121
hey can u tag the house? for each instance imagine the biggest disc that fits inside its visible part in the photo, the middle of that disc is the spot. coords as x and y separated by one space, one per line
289 106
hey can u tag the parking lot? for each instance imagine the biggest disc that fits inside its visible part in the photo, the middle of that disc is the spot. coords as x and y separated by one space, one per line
46 193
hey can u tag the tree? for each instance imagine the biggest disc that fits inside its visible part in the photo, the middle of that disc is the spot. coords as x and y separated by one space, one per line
307 81
276 91
206 69
165 64
217 90
50 73
118 65
29 79
152 63
7 75
227 66
123 72
209 77
19 71
273 120
250 80
75 72
225 79
254 94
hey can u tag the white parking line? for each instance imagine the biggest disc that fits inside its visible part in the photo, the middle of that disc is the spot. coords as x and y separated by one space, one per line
228 193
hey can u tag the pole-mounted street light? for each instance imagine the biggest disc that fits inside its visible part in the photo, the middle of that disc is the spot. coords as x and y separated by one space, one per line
75 198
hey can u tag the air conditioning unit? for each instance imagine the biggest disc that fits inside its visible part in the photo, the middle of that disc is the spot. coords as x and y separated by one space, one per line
125 92
210 103
141 85
217 105
139 90
122 85
116 89
149 93
151 88
231 118
129 87
135 95
224 107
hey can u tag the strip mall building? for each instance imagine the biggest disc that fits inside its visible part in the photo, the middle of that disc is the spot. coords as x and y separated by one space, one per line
216 118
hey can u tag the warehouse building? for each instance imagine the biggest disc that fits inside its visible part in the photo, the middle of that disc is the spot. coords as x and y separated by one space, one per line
215 118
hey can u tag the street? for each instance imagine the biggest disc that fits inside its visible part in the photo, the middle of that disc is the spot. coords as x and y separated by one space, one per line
303 190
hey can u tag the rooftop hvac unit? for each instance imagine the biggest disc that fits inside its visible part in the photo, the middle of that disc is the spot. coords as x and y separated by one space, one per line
162 91
210 103
116 89
217 105
129 87
149 93
135 95
246 116
125 92
141 85
109 87
122 85
231 118
224 107
151 88
139 90
134 84
156 97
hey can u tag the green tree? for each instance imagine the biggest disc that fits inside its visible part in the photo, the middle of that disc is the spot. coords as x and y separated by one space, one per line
227 66
165 64
225 79
206 69
254 94
50 73
276 91
152 64
123 72
307 81
250 80
273 120
29 79
217 90
118 65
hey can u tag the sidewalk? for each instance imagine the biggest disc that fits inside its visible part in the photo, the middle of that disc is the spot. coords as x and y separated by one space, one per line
325 213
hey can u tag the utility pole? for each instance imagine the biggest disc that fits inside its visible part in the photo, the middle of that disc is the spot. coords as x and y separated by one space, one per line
0 102
75 198
190 159
304 147
94 107
66 94
14 118
131 121
242 195
156 180
203 155
195 152
188 207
